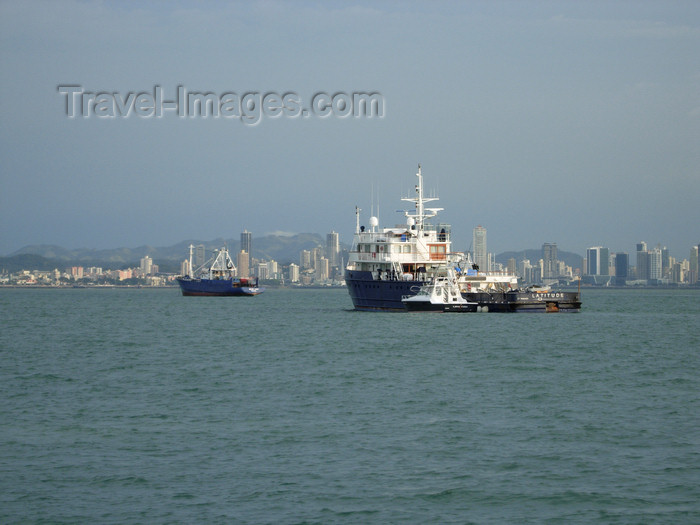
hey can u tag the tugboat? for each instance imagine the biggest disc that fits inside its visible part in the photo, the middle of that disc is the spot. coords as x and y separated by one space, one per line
441 295
216 277
456 293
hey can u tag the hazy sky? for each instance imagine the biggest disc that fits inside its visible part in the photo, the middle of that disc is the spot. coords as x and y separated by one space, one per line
569 122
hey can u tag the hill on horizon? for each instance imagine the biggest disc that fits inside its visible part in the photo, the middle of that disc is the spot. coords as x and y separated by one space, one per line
282 248
570 259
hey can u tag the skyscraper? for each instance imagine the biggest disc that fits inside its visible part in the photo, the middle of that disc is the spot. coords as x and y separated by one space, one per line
332 249
694 264
655 264
598 260
243 264
479 244
200 255
247 242
550 269
622 262
146 265
642 261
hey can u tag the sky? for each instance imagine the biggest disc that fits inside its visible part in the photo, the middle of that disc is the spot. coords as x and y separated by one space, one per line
569 122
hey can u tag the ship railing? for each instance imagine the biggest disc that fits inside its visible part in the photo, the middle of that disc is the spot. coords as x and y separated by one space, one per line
385 257
404 234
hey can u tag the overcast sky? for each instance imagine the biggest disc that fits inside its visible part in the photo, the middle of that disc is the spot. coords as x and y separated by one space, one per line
569 122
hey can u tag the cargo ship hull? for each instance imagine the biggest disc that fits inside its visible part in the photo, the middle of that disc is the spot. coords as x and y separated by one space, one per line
217 287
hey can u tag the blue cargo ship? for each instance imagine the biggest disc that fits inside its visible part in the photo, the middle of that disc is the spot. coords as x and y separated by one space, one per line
217 277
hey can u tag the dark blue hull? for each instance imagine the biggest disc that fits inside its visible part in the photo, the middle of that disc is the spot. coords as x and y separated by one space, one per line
217 287
370 294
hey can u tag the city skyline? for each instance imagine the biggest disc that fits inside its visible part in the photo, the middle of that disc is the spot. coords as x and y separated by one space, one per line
246 239
598 260
320 265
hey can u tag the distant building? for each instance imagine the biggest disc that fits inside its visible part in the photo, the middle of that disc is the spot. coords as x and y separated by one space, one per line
512 266
200 255
247 242
294 273
597 258
479 245
146 265
642 261
263 271
655 264
621 268
693 264
333 249
550 268
321 269
185 268
305 259
274 269
243 264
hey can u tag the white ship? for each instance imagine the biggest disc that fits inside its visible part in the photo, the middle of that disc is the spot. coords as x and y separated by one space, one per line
387 264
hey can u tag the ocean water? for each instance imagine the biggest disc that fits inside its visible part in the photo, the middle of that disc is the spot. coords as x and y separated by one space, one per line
143 406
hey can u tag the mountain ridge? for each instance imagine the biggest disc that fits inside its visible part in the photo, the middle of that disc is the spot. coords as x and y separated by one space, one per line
283 248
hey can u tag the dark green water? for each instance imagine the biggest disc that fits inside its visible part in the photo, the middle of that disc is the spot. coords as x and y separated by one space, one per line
143 406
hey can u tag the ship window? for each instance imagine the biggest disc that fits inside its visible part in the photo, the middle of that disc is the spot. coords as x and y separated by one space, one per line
437 251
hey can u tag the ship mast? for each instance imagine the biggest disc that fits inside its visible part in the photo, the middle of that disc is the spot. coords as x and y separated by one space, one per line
422 212
419 202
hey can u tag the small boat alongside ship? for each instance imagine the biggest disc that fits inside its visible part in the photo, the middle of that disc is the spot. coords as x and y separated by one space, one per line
442 297
442 294
217 277
412 267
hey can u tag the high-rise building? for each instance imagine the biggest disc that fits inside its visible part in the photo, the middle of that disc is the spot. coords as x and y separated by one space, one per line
333 249
693 267
321 269
247 242
642 261
146 265
200 256
621 268
185 267
666 261
597 260
294 273
550 264
479 245
316 255
243 264
655 264
305 259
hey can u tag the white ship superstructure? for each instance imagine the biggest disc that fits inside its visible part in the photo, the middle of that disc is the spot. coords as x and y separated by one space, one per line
385 263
